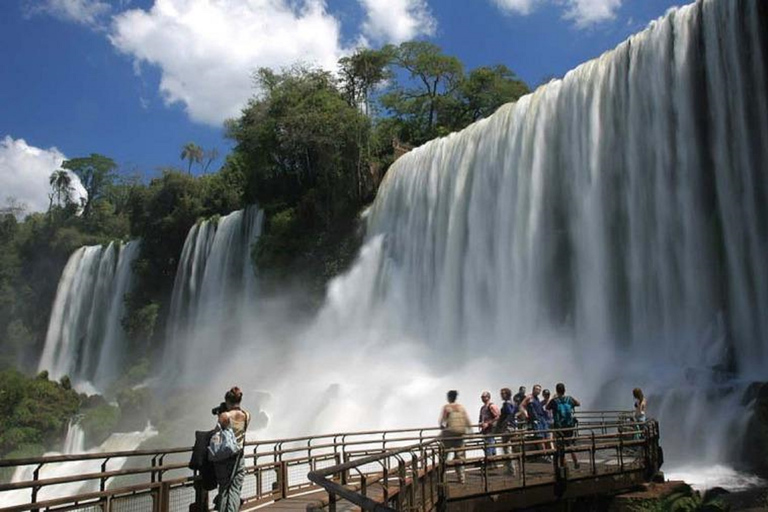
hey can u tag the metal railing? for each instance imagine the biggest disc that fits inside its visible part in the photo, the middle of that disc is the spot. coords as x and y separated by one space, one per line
612 442
399 469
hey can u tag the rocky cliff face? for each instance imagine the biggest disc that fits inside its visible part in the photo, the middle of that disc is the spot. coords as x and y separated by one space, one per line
755 450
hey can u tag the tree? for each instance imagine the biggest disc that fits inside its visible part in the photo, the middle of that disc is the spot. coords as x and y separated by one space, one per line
210 156
193 154
435 76
61 185
482 92
361 72
96 173
300 138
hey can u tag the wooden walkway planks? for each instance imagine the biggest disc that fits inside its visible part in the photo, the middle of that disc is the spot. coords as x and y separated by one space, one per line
498 481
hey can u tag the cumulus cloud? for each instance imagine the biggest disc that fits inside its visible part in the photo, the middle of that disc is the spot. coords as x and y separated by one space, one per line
583 13
207 49
397 20
516 6
588 12
85 12
25 170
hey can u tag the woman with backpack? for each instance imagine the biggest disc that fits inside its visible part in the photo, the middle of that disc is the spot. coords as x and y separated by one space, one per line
564 420
231 471
454 422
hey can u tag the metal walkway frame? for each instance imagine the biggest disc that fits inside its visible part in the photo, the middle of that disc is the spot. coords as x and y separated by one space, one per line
403 469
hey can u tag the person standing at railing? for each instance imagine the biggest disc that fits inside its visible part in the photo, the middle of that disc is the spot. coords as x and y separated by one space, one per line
537 417
231 472
455 423
506 425
640 405
489 416
564 420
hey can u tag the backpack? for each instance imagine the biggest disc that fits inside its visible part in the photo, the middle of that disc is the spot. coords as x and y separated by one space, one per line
223 444
456 422
563 413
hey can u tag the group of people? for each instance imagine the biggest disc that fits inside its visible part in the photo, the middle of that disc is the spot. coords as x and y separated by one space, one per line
538 412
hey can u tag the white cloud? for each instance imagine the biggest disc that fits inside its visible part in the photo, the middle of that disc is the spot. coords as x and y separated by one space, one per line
85 12
25 170
397 20
588 12
517 6
207 49
583 13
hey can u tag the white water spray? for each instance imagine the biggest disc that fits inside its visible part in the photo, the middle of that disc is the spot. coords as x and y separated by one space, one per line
214 290
74 444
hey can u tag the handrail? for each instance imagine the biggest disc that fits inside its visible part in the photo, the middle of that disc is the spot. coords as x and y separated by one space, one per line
284 456
474 442
319 477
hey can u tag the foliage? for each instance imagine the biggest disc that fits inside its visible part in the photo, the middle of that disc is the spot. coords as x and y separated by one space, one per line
95 173
36 412
439 97
99 422
192 153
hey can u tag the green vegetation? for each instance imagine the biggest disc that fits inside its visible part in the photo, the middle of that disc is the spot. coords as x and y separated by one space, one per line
309 149
36 412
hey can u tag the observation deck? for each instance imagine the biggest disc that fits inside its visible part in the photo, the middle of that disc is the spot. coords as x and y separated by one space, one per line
404 469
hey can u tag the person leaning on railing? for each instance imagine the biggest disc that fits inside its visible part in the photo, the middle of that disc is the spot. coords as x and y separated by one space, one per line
455 423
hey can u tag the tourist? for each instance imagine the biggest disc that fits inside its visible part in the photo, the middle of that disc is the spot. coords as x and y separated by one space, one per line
537 418
640 404
489 416
454 422
520 396
564 421
546 395
506 425
234 470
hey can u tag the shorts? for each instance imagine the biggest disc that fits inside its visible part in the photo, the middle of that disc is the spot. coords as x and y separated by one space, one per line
567 437
541 429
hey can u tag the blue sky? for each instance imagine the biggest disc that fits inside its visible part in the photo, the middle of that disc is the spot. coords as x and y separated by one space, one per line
136 79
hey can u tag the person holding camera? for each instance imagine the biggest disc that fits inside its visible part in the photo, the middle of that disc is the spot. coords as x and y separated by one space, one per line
231 472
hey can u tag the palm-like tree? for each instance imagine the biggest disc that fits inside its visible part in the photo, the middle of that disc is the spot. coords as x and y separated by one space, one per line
61 183
192 153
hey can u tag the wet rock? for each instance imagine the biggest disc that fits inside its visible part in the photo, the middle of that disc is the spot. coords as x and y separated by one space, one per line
755 443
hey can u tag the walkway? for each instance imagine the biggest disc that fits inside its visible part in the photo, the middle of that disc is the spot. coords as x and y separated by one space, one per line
380 470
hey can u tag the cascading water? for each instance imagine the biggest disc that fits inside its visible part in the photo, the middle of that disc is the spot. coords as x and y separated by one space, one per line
85 338
609 230
74 444
213 290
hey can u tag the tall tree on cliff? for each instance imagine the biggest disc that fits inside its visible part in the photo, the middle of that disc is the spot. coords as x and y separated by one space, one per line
96 172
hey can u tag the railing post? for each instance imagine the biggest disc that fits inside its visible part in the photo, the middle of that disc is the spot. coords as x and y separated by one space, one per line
522 457
165 497
593 455
103 480
283 479
402 478
35 478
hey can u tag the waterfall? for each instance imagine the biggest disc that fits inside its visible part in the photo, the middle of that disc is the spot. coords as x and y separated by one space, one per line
74 445
85 338
215 286
609 230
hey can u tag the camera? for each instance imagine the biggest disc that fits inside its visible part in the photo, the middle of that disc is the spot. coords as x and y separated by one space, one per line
222 407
